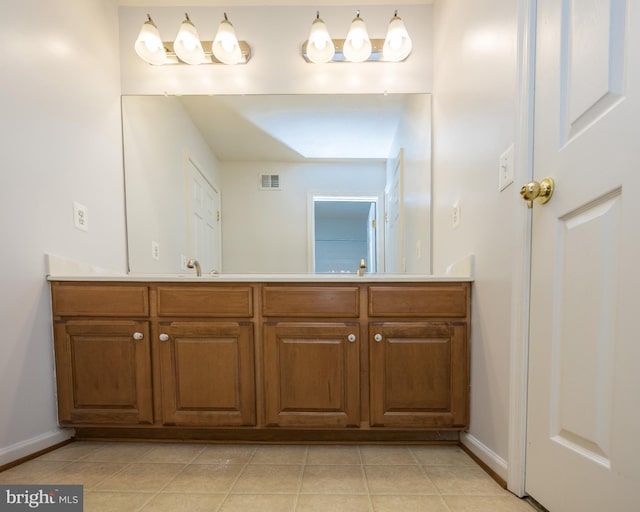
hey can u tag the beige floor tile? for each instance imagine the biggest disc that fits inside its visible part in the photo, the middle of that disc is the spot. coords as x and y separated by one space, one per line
333 480
225 454
508 503
182 453
269 479
205 478
143 477
114 501
399 480
323 455
463 480
88 474
279 455
31 472
333 502
442 456
409 504
259 503
387 455
119 452
73 451
167 502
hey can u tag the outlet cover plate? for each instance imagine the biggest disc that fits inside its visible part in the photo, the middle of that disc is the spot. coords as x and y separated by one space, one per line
80 216
505 176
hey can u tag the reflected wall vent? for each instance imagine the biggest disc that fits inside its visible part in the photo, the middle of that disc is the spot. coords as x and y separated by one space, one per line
269 182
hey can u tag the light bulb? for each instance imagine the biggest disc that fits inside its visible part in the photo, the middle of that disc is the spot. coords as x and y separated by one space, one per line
357 46
225 46
320 48
149 46
397 44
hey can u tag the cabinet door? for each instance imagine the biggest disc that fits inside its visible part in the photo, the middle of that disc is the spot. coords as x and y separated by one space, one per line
311 373
103 372
419 374
207 373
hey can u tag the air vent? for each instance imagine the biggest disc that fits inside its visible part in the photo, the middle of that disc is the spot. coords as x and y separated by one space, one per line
270 182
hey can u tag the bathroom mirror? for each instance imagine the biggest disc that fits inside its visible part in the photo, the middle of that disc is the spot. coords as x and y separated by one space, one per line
232 180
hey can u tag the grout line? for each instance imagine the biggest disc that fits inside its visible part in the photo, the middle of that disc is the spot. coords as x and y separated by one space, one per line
304 468
366 479
235 480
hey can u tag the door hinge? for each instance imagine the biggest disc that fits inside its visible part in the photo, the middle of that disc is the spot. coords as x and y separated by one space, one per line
373 223
218 215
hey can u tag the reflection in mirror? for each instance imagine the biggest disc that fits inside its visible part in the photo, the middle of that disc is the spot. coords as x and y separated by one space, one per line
230 180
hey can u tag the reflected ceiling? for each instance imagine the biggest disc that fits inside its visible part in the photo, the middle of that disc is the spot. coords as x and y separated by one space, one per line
297 127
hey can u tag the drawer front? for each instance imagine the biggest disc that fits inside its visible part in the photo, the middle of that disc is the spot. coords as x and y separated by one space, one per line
209 301
100 300
418 301
311 301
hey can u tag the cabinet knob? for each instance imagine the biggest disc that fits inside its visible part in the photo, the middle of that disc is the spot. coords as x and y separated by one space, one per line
164 337
138 335
378 337
351 338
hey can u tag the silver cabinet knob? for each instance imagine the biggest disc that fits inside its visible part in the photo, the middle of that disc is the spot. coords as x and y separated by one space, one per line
378 337
164 337
138 335
351 338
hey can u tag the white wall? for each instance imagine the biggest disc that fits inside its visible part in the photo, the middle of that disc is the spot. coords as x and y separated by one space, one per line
61 134
276 34
474 120
268 231
158 137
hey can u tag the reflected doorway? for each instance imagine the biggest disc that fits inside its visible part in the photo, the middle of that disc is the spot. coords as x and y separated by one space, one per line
344 231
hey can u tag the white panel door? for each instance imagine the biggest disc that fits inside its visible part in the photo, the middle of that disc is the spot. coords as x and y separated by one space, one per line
203 210
583 431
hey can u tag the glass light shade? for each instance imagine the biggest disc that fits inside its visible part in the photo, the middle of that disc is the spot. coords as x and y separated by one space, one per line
397 44
226 47
320 48
149 45
187 44
357 46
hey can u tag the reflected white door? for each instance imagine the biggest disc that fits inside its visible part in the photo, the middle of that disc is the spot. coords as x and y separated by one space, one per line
583 431
394 219
372 239
203 210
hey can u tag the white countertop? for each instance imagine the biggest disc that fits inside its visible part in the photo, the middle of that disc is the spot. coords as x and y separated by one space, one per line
259 278
65 269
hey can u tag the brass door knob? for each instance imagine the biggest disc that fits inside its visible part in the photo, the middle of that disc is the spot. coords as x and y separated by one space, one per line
541 192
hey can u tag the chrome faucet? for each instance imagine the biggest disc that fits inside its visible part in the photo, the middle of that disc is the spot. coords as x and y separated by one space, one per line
195 264
361 268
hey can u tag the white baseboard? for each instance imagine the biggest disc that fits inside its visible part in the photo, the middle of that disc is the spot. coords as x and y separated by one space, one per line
485 454
24 448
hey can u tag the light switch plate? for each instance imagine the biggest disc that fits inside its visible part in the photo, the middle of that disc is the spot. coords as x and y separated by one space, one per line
455 215
505 176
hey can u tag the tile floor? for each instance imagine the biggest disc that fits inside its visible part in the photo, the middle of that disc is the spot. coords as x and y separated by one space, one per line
148 477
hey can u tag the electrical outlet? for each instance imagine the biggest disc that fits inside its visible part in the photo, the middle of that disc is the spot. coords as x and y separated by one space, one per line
183 262
455 216
505 176
155 250
80 216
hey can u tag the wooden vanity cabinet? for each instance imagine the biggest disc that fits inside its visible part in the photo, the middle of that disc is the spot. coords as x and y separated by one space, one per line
311 356
103 359
419 363
206 352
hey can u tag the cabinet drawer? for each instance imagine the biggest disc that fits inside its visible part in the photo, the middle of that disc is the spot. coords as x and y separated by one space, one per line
209 301
101 300
311 301
418 301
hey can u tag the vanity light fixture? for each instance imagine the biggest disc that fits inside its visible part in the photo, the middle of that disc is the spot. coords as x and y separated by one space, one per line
188 48
357 47
319 48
